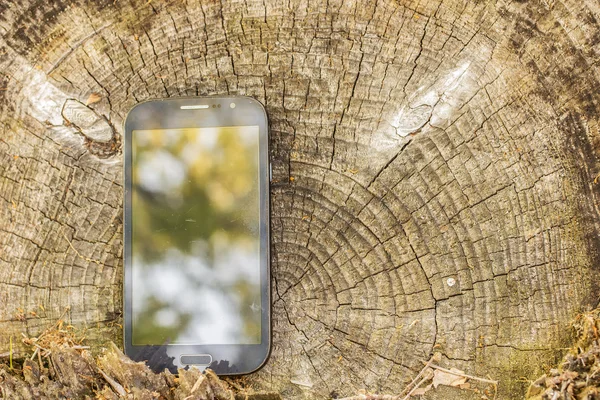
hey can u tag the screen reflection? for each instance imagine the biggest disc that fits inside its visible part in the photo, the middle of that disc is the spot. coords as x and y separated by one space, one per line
195 236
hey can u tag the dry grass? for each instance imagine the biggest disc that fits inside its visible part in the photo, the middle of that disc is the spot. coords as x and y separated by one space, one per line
578 376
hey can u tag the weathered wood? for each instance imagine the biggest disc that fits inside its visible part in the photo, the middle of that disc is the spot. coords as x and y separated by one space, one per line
434 167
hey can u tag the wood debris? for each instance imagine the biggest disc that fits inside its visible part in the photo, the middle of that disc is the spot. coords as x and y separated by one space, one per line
430 377
61 367
578 376
93 98
454 378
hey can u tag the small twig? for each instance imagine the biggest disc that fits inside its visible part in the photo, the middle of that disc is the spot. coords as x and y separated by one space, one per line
115 385
51 368
40 348
464 375
436 357
56 324
40 361
427 376
201 379
409 388
235 385
78 253
11 353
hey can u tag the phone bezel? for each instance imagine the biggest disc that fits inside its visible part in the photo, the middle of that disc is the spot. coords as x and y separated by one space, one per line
228 359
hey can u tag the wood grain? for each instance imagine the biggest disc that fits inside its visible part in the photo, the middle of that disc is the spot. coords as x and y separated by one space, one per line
434 173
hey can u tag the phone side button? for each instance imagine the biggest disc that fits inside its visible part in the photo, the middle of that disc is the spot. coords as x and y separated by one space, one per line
270 172
196 359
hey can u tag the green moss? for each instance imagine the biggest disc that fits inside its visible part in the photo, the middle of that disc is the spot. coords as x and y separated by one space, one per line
519 368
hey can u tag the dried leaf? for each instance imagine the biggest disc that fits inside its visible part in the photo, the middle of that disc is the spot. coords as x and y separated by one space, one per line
94 98
448 379
421 391
302 382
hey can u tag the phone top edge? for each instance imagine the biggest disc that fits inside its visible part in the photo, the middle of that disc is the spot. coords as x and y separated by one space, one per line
191 99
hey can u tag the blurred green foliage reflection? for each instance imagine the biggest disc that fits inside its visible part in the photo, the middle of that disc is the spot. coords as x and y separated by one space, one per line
195 236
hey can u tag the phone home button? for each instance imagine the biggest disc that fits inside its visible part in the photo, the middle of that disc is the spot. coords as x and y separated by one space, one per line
196 359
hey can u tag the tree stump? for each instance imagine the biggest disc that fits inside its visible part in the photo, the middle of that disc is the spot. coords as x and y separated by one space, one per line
434 169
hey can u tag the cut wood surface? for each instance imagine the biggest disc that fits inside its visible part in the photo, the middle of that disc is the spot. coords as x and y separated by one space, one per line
435 174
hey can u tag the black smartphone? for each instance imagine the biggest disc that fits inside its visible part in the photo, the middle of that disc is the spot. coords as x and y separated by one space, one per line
196 234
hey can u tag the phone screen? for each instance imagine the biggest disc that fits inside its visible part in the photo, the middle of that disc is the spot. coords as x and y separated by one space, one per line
195 236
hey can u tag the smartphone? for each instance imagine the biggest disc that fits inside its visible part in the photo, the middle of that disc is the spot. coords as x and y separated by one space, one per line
196 234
